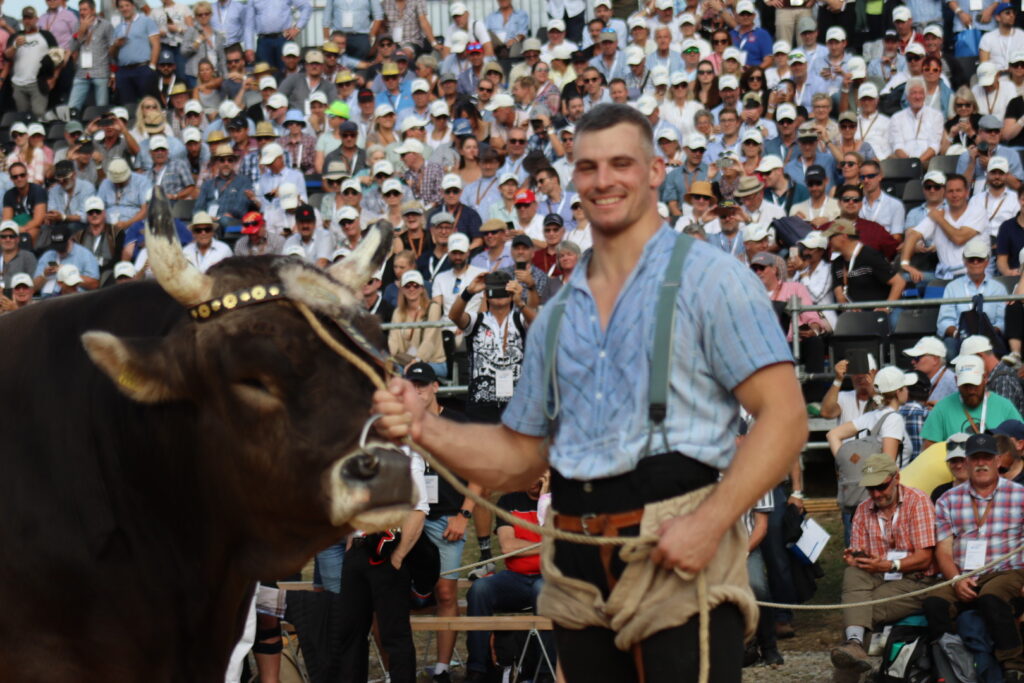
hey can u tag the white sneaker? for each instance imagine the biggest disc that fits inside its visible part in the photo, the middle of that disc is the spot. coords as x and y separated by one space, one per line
482 571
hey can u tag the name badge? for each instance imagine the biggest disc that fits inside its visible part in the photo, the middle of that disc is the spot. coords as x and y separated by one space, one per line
431 480
85 59
503 383
213 208
974 556
894 555
347 19
397 34
976 5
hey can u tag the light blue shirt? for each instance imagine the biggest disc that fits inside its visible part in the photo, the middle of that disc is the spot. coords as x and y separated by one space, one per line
362 12
124 202
618 69
175 151
79 256
232 19
137 48
518 24
481 193
887 211
725 331
58 199
275 16
925 11
271 181
962 287
674 61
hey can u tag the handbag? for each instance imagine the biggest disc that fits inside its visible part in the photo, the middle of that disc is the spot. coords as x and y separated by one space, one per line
967 43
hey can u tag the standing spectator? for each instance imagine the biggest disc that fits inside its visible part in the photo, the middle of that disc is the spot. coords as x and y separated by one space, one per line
26 50
272 23
928 356
136 48
755 42
859 273
509 25
310 79
408 25
60 22
231 19
915 412
15 259
173 19
998 44
891 552
357 19
92 44
202 42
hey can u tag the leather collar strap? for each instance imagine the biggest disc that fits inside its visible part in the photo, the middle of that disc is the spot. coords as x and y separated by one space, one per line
257 294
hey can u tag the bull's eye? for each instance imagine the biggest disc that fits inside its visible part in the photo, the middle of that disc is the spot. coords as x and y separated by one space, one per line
255 383
258 395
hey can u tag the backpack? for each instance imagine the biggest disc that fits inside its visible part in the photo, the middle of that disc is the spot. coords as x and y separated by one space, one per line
790 229
951 660
905 657
975 321
849 461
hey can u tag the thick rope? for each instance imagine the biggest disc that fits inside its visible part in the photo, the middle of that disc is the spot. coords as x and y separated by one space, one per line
520 551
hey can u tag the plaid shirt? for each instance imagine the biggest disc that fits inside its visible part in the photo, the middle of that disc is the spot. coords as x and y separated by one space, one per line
1004 528
914 415
409 21
1004 381
307 146
425 185
251 165
912 527
175 177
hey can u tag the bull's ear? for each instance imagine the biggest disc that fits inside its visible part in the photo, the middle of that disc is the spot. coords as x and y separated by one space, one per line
136 366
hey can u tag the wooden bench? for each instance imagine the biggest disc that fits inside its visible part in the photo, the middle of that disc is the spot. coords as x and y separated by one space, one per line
510 622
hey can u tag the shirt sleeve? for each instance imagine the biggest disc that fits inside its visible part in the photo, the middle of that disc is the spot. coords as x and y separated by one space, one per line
417 468
943 527
525 412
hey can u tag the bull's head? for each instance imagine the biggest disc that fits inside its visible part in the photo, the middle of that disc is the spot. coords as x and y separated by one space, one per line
279 412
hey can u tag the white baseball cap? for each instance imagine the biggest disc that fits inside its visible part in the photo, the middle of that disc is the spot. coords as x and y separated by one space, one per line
745 6
93 203
228 110
383 166
901 13
769 163
439 108
998 163
936 30
12 225
22 279
193 107
781 46
867 90
412 121
667 134
121 113
270 152
19 127
915 48
291 49
937 177
347 213
458 242
124 269
412 276
754 135
556 25
451 180
352 184
277 101
755 232
696 141
411 146
69 275
891 378
383 110
969 370
646 105
835 33
458 9
734 53
857 67
635 55
268 83
972 346
785 111
506 177
815 239
687 18
191 134
500 100
977 248
36 129
391 185
797 56
987 72
728 81
659 76
419 85
160 142
927 346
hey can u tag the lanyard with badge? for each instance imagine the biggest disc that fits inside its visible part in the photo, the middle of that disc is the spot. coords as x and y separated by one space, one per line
849 270
976 549
890 540
864 133
504 383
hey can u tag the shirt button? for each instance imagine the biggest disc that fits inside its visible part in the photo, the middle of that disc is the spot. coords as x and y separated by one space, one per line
588 487
602 354
599 396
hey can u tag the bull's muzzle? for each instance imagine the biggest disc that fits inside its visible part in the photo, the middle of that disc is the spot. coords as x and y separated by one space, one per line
370 488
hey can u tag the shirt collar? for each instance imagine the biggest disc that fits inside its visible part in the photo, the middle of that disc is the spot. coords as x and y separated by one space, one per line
659 242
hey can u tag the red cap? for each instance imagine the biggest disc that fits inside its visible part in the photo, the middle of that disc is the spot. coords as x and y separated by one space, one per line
525 197
252 217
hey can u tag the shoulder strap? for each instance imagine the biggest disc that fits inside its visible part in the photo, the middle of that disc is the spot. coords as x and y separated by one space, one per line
517 318
664 324
551 352
881 421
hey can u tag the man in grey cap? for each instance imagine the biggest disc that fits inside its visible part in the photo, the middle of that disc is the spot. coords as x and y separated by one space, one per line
435 261
807 138
884 564
956 461
973 164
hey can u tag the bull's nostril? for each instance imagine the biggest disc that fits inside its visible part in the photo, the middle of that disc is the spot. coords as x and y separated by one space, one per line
363 467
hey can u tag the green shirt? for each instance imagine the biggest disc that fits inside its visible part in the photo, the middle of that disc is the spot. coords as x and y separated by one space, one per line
947 417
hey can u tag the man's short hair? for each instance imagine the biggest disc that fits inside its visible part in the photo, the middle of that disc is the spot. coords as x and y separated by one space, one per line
850 188
15 165
728 110
550 171
956 176
488 153
607 115
233 48
870 162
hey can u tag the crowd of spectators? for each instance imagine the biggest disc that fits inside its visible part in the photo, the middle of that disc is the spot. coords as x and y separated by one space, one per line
769 116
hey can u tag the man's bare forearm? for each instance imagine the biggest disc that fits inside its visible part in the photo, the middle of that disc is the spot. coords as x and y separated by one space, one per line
492 456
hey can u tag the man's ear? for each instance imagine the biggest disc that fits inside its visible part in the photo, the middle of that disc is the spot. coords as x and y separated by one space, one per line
138 367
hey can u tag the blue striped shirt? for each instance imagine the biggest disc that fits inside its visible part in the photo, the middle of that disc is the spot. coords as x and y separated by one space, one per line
232 19
275 16
725 330
362 12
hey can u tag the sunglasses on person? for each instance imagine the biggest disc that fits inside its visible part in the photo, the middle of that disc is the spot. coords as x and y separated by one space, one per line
757 267
848 164
815 183
868 176
705 72
958 105
552 229
878 488
932 187
94 212
847 124
452 190
850 198
975 259
15 176
720 41
1017 65
391 77
411 285
591 80
202 229
229 160
350 193
203 14
393 193
691 51
914 58
487 90
344 222
755 78
517 141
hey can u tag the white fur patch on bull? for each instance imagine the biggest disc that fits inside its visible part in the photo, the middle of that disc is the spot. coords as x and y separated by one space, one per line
318 291
366 259
133 379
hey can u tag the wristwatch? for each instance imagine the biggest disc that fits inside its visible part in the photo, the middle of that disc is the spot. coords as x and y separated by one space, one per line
465 513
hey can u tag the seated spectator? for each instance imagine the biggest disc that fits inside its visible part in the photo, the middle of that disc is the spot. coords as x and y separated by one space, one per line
546 259
962 127
21 294
756 211
1002 379
879 206
1002 41
810 154
316 243
928 356
859 273
967 542
25 204
64 251
949 229
956 462
255 239
98 236
891 552
227 196
780 189
69 280
1010 241
767 267
1010 440
418 345
435 260
374 302
31 150
818 209
757 238
962 412
994 199
813 272
513 589
973 163
872 125
173 175
975 281
917 130
15 259
205 250
67 196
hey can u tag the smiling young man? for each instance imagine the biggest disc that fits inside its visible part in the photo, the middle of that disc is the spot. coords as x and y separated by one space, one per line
601 479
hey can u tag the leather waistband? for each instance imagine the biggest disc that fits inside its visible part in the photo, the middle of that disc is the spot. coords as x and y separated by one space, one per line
271 35
599 525
136 65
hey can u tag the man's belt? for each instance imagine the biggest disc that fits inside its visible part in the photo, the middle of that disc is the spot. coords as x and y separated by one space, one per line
279 34
599 524
135 65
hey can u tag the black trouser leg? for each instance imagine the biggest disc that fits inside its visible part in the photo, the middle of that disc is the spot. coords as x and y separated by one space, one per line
1014 320
390 589
940 621
669 656
359 615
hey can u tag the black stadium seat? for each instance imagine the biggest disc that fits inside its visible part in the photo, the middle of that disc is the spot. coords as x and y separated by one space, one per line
866 331
12 117
945 163
902 169
182 209
913 194
93 112
913 324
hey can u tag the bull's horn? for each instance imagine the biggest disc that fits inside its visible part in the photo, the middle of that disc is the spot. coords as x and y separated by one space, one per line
176 275
366 259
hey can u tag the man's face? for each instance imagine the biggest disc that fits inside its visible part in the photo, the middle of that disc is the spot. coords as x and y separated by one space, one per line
517 143
915 96
608 48
508 189
458 259
864 383
277 115
730 123
555 36
291 62
976 267
695 156
575 108
972 394
22 294
799 70
956 193
1007 17
203 234
547 182
525 212
522 253
351 228
745 19
226 165
159 156
441 232
816 188
885 494
691 57
488 167
982 467
836 48
996 179
413 221
553 234
603 12
19 176
166 69
663 39
235 61
868 105
592 82
127 10
9 240
619 92
452 196
928 364
239 135
305 228
932 43
476 58
494 239
870 177
616 175
427 393
67 182
730 96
